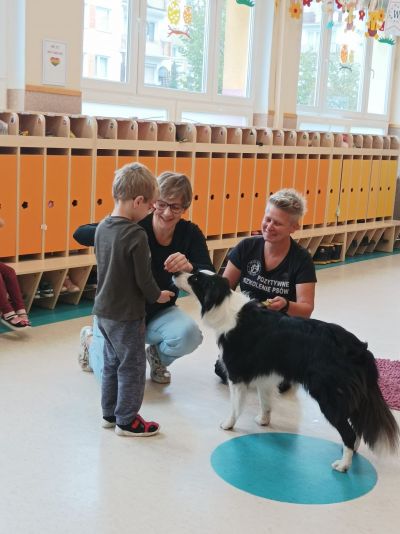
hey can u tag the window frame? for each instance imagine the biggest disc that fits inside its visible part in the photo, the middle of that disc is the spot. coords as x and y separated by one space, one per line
321 114
99 90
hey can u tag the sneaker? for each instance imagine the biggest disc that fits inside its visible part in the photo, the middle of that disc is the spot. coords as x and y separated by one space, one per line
158 372
139 427
83 357
109 421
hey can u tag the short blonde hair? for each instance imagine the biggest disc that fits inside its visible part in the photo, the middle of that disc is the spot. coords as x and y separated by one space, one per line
174 185
290 201
134 180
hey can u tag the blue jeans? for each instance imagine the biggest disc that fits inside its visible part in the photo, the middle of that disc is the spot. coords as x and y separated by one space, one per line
172 331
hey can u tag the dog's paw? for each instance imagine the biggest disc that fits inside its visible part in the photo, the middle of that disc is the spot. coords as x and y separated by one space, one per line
263 419
341 466
228 424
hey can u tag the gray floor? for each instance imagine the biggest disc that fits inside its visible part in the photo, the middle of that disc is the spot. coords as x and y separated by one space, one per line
62 473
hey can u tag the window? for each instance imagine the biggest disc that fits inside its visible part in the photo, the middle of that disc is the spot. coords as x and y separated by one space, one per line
171 50
179 44
234 50
105 39
343 74
101 67
102 18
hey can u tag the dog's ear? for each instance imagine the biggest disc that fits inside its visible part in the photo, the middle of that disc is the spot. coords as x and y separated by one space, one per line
215 292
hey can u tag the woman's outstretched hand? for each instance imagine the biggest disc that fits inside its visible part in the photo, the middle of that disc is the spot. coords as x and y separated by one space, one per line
178 262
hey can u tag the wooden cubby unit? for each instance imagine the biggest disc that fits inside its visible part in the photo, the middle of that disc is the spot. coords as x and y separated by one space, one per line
57 172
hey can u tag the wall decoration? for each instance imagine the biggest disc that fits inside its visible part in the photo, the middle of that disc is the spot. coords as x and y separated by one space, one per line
374 23
295 10
174 13
54 57
249 3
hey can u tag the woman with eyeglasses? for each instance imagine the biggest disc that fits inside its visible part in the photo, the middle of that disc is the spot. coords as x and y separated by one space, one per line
176 245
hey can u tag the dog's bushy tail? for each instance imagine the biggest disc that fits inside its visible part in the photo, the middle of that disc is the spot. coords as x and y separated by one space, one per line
374 422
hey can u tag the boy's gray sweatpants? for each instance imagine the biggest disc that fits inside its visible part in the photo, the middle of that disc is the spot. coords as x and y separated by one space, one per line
124 373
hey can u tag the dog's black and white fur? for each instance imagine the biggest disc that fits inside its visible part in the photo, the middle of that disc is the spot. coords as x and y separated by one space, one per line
261 346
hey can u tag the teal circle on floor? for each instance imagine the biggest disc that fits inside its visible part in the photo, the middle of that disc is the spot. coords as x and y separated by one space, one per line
291 468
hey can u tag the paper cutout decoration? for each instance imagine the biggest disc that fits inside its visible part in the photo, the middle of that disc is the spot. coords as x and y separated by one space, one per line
295 10
249 3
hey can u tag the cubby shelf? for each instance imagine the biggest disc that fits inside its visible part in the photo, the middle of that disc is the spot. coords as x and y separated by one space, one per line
57 172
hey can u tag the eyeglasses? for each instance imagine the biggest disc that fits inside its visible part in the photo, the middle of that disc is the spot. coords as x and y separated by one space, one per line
177 209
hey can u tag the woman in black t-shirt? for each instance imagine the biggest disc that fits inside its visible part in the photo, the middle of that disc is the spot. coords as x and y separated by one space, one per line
273 267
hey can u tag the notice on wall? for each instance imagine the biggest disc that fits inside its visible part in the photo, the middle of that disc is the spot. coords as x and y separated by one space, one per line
392 22
54 62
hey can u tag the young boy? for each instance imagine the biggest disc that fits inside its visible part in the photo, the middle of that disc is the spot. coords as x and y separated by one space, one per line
124 283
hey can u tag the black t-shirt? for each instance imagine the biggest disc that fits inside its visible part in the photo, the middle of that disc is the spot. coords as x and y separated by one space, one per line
187 239
296 268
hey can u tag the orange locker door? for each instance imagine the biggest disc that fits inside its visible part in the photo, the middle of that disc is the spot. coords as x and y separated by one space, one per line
345 189
300 177
80 195
373 188
183 164
149 161
31 203
260 193
320 202
164 164
311 189
231 195
390 188
200 191
8 205
215 196
56 203
363 189
355 180
124 160
103 201
275 177
246 194
334 189
288 172
382 188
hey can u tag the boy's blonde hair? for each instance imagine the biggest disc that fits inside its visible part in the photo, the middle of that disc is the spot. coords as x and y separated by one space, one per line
174 185
290 201
133 180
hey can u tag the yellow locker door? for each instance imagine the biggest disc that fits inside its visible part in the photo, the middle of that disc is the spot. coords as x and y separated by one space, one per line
311 189
390 187
334 189
8 205
31 203
320 201
383 180
355 180
363 189
373 188
345 189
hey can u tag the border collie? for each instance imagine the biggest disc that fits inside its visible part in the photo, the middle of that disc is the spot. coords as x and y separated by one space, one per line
262 346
